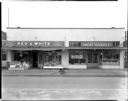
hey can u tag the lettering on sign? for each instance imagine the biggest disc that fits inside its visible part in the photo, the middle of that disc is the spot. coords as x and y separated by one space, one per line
94 44
77 56
33 43
97 44
40 44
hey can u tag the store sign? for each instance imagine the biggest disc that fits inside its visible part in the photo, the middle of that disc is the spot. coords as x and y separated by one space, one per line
33 43
97 44
93 44
76 56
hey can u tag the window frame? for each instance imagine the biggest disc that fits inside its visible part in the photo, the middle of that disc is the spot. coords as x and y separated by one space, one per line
78 61
109 56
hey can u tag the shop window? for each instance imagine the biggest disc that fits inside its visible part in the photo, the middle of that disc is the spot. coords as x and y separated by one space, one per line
52 58
77 57
110 57
4 54
18 56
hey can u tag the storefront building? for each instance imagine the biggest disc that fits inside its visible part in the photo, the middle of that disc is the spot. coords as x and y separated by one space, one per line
76 48
3 52
125 44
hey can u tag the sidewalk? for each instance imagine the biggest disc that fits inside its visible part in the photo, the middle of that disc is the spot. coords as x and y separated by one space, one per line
68 73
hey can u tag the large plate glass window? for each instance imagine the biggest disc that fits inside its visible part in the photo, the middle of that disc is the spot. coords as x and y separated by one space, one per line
52 58
77 57
110 57
21 56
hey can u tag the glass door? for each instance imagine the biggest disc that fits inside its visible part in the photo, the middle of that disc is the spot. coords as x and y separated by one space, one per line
92 60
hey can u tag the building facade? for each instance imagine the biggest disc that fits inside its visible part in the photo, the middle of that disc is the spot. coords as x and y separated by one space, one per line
4 52
76 48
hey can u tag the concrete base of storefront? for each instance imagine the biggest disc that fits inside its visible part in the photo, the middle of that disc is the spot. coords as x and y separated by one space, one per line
68 72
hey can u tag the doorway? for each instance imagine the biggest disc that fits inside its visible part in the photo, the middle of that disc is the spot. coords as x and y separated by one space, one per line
35 59
92 62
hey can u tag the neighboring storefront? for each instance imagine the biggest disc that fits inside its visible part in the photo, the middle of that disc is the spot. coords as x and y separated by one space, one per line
125 44
67 53
38 54
96 54
4 52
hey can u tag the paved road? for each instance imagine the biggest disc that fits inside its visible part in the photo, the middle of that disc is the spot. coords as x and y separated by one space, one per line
64 82
69 72
27 87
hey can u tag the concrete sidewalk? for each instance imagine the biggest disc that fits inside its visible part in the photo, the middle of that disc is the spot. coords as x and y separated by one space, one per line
69 72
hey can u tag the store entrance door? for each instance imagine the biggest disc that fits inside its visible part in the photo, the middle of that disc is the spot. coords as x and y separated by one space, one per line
92 62
35 59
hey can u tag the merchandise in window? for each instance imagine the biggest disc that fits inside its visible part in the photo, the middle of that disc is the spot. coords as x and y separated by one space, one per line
21 56
110 57
52 58
77 57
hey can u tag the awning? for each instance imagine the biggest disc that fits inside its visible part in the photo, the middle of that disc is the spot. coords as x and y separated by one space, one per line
100 48
45 49
62 48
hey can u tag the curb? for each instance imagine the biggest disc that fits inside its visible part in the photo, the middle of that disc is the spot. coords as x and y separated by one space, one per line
63 75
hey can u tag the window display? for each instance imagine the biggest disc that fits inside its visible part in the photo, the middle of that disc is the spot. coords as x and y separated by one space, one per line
77 57
21 59
50 58
21 56
110 57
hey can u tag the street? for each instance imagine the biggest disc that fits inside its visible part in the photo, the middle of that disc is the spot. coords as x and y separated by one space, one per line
46 88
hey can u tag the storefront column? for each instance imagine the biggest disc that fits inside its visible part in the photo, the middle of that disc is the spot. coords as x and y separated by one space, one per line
65 58
122 59
9 56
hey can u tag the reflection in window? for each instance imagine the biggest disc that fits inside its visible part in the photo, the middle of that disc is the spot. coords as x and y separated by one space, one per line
77 57
52 58
110 57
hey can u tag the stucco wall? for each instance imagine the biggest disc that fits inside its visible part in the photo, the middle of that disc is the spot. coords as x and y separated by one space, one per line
65 58
106 34
110 67
9 56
